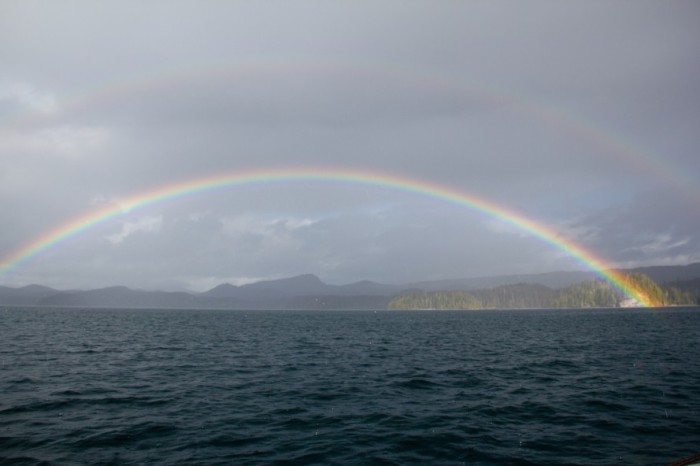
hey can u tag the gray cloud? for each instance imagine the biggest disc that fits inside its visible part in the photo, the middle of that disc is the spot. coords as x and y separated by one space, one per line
651 228
569 113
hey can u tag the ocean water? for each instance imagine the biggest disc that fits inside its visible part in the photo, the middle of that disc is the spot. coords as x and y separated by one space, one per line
588 387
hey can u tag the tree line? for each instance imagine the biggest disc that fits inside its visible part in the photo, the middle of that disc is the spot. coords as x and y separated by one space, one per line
594 293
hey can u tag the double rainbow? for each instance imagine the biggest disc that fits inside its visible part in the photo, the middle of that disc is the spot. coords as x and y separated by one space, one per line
355 177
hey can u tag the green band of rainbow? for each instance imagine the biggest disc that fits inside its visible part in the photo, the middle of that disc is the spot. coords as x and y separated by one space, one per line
357 177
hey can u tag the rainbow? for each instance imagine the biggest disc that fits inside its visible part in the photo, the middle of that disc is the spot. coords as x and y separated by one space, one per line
364 178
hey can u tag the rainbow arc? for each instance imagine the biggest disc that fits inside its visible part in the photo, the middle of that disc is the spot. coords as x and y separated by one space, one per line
449 195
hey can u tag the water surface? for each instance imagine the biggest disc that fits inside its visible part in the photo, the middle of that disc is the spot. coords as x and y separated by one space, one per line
89 386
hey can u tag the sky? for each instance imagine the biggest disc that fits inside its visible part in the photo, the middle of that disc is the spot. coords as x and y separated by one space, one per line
581 116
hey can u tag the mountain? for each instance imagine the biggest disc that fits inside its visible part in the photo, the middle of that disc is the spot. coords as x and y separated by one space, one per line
25 296
299 292
225 290
366 288
664 274
551 280
310 292
120 296
299 286
660 274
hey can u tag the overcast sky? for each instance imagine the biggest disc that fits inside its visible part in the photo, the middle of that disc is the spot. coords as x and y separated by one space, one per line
584 116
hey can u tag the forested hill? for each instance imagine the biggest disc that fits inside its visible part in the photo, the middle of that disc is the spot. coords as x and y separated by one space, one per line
594 293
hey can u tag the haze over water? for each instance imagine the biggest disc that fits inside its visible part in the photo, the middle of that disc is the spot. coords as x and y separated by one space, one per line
586 387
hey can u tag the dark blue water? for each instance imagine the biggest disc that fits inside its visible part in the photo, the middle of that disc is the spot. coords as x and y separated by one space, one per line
216 387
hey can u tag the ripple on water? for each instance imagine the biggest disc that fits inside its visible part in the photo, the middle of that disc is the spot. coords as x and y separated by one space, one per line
200 387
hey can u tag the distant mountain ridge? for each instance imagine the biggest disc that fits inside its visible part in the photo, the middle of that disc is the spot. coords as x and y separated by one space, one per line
300 285
310 292
664 274
549 279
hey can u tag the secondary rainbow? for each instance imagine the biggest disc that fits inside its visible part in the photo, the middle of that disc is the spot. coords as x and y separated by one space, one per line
357 177
636 157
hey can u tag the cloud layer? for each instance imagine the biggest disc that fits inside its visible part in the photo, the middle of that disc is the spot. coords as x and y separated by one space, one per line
580 116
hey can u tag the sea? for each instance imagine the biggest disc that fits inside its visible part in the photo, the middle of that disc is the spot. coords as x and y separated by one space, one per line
197 387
